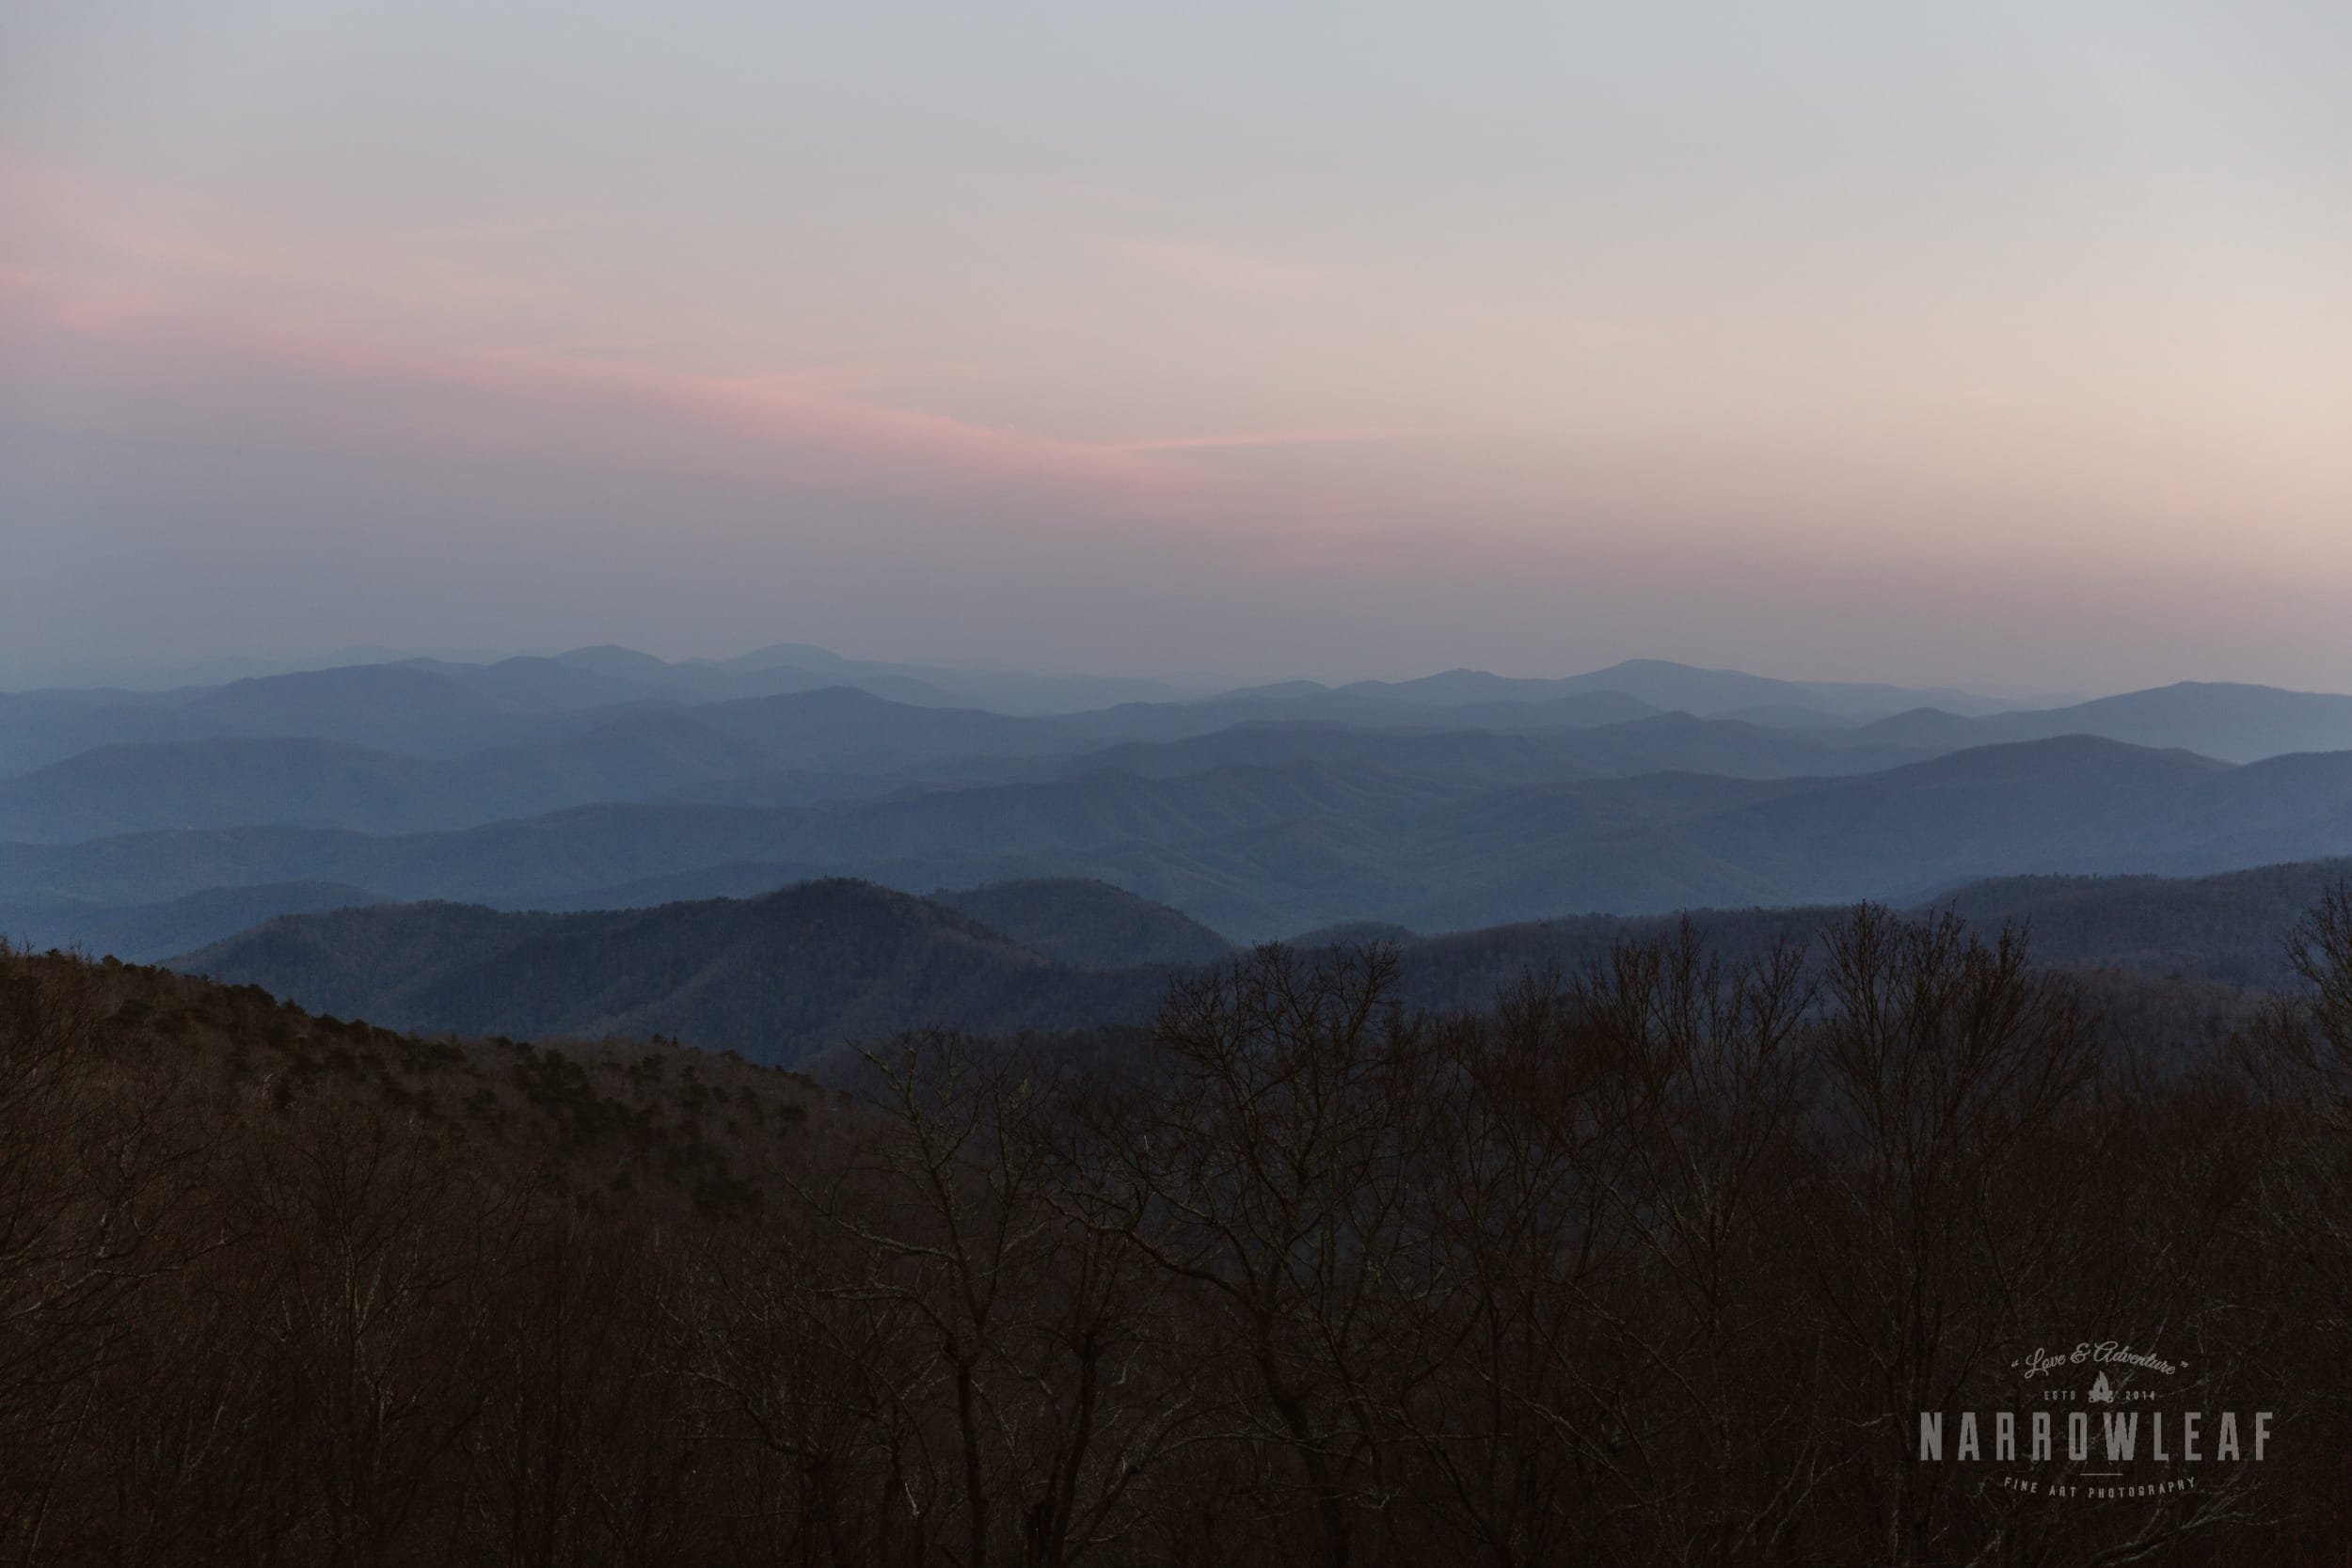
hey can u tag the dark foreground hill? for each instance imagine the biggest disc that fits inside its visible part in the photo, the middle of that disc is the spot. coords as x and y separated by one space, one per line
1295 1276
778 979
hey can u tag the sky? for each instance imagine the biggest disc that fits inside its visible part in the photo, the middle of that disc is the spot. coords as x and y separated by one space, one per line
1997 345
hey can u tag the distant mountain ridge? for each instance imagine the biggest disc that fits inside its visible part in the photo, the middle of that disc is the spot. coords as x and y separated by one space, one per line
2235 724
1254 851
799 748
606 778
1688 689
443 707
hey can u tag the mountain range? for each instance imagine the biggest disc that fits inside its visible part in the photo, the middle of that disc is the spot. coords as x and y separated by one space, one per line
1262 851
606 779
441 707
831 745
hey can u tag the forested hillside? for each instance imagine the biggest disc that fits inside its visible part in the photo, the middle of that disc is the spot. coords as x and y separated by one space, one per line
1660 1259
778 977
1088 923
786 975
2230 929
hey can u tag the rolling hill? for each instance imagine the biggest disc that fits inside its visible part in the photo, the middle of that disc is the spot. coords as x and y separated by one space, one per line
778 979
37 728
788 976
1086 924
2230 929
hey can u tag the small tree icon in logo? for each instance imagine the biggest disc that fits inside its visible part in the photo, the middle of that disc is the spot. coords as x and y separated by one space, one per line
2101 1393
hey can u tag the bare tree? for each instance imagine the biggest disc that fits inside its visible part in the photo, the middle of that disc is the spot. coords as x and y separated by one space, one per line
1268 1167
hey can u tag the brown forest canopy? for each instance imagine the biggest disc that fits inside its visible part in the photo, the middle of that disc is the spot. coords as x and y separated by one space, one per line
1654 1264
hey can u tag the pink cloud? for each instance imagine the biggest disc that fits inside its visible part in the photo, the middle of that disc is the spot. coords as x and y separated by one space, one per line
118 270
768 411
117 277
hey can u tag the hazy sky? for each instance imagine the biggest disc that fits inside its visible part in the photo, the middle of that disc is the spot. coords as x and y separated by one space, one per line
1991 343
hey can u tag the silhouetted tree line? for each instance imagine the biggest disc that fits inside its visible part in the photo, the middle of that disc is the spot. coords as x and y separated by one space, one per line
1655 1263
